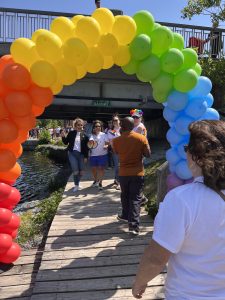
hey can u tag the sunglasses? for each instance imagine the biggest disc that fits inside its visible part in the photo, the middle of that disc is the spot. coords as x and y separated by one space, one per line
136 117
185 148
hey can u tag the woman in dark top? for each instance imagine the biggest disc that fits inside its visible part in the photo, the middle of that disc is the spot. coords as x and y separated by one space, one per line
77 150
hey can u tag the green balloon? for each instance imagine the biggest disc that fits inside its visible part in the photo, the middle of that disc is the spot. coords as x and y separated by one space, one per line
163 83
162 39
144 21
140 78
159 96
190 58
198 69
140 47
149 68
172 60
131 67
185 80
156 25
178 41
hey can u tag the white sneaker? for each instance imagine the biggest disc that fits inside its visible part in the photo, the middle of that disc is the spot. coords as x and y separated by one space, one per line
75 189
80 187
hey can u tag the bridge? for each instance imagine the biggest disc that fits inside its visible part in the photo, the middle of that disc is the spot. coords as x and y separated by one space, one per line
97 95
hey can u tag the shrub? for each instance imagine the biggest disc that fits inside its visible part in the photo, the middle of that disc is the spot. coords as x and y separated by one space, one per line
44 137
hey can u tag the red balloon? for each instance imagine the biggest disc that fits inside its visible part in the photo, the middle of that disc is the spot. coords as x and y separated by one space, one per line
5 61
12 200
11 255
9 182
16 77
5 216
14 234
5 242
5 191
14 223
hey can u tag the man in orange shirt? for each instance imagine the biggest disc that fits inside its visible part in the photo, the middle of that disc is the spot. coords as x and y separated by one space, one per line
131 147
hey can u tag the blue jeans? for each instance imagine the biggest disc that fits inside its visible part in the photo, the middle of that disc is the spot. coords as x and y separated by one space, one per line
76 160
116 165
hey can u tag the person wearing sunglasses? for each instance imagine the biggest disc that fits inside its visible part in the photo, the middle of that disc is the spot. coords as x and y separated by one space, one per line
77 150
112 134
98 153
189 229
139 127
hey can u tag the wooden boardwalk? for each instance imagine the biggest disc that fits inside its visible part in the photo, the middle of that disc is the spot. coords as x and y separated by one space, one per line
89 255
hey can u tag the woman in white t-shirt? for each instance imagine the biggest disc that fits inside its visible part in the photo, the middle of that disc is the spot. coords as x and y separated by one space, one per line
139 127
98 143
189 229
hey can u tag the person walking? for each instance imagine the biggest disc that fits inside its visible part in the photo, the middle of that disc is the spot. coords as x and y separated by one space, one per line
131 147
112 134
98 145
77 150
189 229
139 127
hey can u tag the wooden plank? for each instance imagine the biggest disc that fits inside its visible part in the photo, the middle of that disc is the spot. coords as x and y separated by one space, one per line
86 262
12 292
20 269
91 284
16 280
151 293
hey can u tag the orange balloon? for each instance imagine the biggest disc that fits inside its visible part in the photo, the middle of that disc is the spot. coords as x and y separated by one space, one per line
15 147
23 135
8 131
5 60
3 111
16 77
40 96
18 103
37 110
25 123
7 160
12 174
3 89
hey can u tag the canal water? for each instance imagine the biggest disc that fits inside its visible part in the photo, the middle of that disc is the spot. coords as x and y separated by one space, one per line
38 171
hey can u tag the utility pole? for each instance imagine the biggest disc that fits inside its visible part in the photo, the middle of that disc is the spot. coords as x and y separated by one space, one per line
98 3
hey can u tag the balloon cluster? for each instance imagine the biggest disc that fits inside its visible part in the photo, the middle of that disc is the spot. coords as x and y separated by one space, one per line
9 223
73 47
21 100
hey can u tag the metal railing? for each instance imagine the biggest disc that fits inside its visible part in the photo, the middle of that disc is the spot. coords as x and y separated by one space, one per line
15 23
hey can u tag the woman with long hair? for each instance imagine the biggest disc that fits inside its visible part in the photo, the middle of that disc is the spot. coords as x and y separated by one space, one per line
98 144
189 229
77 150
113 133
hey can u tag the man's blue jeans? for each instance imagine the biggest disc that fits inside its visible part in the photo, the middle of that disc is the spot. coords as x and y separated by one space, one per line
76 160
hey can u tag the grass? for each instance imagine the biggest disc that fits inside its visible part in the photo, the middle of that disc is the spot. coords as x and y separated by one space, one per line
150 188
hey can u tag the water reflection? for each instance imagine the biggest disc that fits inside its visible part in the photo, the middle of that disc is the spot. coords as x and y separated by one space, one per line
37 171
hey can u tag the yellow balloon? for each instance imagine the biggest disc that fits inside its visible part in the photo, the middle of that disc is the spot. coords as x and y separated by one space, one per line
67 74
43 73
76 18
105 18
24 52
95 61
88 30
75 52
108 44
56 87
124 29
122 56
48 45
81 71
108 62
63 27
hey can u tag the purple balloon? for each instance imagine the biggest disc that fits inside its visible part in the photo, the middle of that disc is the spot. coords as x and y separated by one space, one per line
173 181
188 180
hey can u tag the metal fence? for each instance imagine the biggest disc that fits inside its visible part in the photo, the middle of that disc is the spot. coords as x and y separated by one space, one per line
15 23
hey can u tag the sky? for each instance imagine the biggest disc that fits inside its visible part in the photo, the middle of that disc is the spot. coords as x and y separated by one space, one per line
162 10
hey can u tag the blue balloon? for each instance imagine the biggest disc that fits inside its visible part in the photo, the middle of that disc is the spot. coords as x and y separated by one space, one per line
171 124
180 150
169 114
211 114
196 107
172 168
177 101
173 137
202 88
164 104
209 99
182 170
172 156
182 123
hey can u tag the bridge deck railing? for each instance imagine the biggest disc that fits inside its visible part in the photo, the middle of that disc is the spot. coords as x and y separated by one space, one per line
15 23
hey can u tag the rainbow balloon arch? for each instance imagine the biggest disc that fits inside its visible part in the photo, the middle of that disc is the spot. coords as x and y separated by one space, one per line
39 67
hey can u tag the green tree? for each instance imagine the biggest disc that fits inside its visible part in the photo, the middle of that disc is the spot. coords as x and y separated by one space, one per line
215 9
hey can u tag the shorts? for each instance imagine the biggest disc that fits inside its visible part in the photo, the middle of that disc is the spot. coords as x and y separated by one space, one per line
98 161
